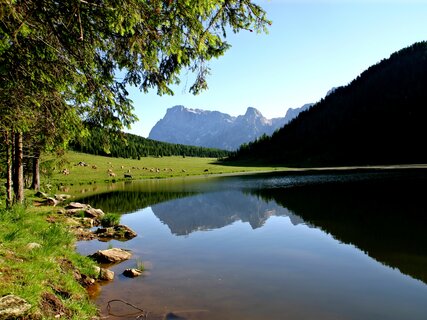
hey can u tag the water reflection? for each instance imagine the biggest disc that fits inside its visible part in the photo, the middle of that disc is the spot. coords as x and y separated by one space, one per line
275 247
387 221
382 214
130 201
218 209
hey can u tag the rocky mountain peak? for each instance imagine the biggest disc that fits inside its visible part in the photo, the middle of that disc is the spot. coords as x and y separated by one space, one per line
253 112
213 129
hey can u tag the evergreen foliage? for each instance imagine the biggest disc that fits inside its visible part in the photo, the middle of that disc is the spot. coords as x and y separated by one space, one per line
59 62
126 145
379 118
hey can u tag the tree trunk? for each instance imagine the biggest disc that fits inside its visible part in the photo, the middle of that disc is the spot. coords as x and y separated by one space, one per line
9 198
19 169
36 170
14 182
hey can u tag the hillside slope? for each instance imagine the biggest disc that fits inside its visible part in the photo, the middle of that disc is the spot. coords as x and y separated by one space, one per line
379 118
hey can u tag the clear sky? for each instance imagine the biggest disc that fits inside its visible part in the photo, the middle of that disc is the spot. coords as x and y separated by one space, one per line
312 46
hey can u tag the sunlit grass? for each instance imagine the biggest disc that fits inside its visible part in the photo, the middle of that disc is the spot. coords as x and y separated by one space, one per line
29 273
98 168
110 220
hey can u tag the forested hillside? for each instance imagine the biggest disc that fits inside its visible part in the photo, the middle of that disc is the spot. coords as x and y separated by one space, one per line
379 118
125 145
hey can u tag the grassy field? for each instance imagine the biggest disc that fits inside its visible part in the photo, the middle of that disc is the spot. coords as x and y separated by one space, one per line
42 274
98 168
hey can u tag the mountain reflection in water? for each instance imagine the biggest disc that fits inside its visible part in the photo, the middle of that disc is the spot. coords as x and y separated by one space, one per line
218 209
276 247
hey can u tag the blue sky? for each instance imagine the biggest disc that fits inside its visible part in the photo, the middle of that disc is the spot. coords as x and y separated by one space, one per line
312 46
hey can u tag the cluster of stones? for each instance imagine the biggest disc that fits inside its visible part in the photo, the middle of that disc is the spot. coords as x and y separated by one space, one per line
83 217
90 216
14 307
112 256
51 200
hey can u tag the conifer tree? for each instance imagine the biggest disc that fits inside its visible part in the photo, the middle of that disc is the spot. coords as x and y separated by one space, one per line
57 55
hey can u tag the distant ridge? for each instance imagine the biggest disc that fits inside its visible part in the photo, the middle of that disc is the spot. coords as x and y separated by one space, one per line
214 129
379 118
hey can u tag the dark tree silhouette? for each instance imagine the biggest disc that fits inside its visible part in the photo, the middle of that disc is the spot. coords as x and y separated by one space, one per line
379 118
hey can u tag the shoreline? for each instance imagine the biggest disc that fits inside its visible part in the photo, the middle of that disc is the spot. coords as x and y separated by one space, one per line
49 216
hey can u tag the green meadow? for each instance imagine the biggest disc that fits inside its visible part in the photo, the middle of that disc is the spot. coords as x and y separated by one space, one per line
106 169
37 261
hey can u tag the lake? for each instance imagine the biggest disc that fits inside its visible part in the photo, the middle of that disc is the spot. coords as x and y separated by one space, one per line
283 246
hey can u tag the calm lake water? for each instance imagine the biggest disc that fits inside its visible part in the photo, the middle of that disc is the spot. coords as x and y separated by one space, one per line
315 246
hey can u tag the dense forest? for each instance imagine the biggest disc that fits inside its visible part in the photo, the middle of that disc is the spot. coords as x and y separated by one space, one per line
125 145
379 118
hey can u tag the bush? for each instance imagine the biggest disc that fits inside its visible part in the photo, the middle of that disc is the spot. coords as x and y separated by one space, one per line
110 220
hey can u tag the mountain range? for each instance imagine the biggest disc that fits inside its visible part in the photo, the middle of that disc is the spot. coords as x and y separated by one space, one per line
214 129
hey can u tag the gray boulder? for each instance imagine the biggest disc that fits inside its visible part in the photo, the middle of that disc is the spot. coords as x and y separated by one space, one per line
113 255
13 307
94 213
77 205
106 275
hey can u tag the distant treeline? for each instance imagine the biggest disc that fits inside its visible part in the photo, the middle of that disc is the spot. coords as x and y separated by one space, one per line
125 145
379 118
129 201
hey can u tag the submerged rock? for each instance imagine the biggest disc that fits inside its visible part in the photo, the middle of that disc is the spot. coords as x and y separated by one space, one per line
132 273
173 316
113 255
13 307
116 232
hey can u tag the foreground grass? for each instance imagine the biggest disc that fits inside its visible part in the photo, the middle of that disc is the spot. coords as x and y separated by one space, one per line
33 273
146 168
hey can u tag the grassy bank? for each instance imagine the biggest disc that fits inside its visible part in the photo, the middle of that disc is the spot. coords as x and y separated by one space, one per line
38 263
98 168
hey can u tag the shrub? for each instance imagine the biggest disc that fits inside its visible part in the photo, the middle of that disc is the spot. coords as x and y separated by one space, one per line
110 220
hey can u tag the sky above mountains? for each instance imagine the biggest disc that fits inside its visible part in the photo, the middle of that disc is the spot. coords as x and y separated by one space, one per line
312 46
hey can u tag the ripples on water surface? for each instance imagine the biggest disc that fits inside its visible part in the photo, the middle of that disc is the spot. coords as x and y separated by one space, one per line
349 246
